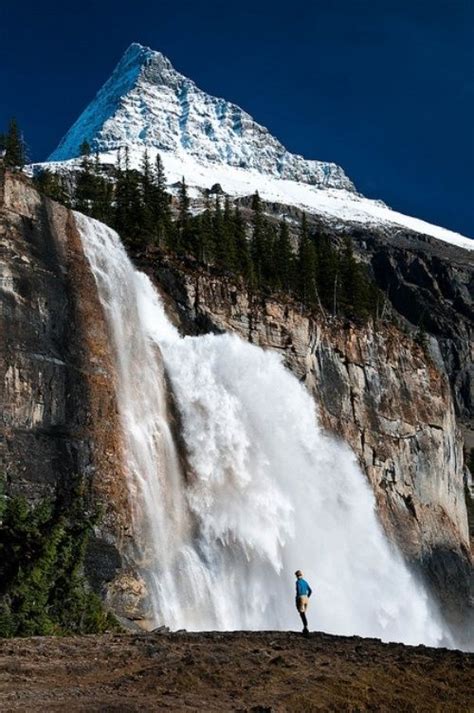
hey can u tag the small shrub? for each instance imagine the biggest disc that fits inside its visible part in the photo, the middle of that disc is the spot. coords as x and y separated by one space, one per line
42 548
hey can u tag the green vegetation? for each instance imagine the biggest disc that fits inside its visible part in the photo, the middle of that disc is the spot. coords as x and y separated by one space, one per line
42 549
312 271
312 268
12 146
51 185
469 461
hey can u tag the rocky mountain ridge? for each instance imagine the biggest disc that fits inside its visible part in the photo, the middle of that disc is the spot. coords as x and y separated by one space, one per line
147 103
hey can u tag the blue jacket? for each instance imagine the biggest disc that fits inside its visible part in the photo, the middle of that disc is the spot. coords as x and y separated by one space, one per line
302 588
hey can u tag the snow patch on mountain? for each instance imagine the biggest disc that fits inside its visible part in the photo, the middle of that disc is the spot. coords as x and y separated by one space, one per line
336 204
146 103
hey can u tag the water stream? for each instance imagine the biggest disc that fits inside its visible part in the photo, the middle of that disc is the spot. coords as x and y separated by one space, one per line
267 491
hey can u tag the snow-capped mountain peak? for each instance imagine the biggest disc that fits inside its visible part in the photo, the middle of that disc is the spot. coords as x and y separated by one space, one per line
146 103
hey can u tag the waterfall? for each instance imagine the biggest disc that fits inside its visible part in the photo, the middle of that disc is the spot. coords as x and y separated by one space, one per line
266 490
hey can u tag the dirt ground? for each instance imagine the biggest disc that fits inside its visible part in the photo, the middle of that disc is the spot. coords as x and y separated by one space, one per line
257 672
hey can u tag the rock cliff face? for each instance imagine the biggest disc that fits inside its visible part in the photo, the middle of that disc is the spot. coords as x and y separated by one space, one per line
58 398
431 284
380 392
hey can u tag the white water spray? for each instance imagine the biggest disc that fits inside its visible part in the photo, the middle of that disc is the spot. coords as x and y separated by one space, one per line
268 491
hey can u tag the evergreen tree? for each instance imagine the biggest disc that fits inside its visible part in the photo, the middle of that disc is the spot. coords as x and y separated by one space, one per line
148 199
284 259
327 265
242 248
85 182
318 273
42 553
102 194
51 185
85 149
205 235
229 237
14 146
224 240
307 266
354 298
128 218
161 204
257 249
218 231
118 182
183 233
270 240
160 178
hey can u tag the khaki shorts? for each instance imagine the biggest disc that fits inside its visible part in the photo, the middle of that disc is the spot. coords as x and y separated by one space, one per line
302 603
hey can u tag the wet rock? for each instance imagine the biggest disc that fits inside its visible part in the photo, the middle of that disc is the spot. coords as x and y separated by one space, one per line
128 597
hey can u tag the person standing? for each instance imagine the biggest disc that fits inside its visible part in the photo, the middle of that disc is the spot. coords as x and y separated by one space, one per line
303 593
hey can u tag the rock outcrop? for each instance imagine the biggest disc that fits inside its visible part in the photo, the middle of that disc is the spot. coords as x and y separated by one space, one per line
383 394
59 415
431 284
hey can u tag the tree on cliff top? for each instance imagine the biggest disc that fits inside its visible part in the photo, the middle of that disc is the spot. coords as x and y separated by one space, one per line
14 146
51 185
307 265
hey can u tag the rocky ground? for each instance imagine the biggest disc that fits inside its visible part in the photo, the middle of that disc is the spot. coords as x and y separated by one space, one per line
241 671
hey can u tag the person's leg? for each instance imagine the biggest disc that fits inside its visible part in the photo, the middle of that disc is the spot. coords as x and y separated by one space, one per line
302 606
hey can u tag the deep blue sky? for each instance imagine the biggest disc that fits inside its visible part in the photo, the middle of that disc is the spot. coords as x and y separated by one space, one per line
383 87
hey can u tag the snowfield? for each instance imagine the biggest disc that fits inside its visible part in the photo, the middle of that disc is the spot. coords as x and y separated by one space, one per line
334 203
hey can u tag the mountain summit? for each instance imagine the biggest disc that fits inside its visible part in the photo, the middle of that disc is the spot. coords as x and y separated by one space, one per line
146 103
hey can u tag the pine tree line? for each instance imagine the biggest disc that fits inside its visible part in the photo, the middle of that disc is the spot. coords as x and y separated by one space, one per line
316 273
259 251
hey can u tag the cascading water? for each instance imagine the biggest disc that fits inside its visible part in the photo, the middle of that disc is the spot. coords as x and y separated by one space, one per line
267 490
